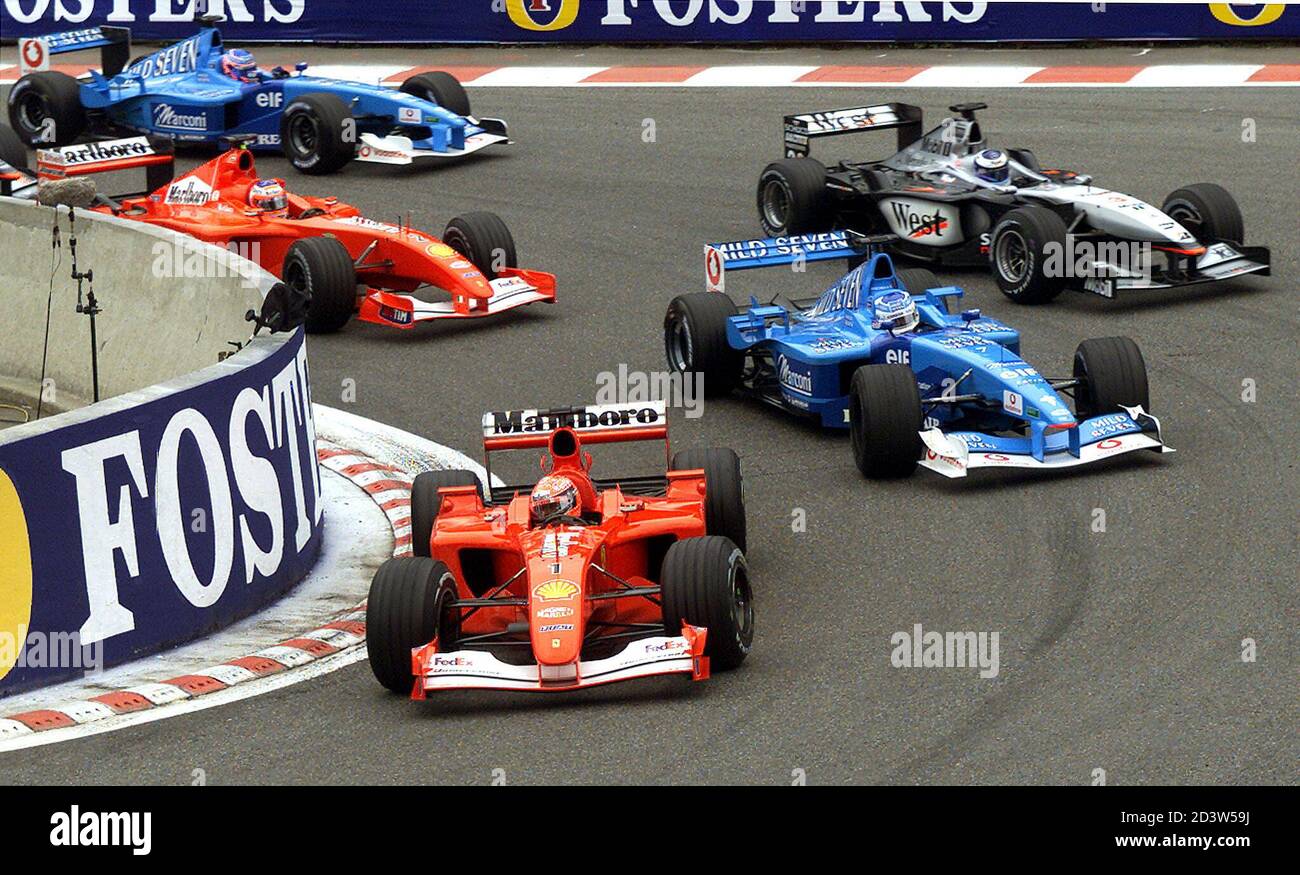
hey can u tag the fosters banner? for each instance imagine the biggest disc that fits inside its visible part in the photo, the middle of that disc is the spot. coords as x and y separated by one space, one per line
125 532
660 21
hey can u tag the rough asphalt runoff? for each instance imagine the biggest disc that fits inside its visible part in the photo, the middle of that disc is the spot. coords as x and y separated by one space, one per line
1120 650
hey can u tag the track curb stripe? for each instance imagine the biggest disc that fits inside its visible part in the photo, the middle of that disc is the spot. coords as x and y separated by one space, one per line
390 489
830 75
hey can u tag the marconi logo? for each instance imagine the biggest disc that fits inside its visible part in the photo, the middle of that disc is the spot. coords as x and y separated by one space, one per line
15 573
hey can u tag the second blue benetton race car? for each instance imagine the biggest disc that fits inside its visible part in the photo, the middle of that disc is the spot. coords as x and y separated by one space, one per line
878 353
198 91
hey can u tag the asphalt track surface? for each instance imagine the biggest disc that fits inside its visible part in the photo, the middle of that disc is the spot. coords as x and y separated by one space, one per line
1119 650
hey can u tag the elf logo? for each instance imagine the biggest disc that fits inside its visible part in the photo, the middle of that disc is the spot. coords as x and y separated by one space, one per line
269 99
924 223
15 575
542 15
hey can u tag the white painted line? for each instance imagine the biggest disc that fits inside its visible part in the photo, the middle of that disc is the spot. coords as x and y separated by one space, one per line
748 76
1203 75
970 77
211 700
537 77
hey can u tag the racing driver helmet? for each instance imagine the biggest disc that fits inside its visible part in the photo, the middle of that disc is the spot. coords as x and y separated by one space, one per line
239 64
991 166
554 495
896 311
269 198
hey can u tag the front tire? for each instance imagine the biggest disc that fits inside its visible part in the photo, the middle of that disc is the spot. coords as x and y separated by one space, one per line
1019 248
322 268
425 503
39 100
792 197
1113 373
1208 211
12 149
724 490
695 340
441 88
885 421
409 605
484 239
318 134
916 280
705 582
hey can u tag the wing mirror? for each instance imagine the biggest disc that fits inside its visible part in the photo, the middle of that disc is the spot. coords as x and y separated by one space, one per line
301 66
970 315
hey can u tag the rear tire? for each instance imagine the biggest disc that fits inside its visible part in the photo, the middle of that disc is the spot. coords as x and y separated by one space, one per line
1018 248
425 503
695 340
322 268
792 197
48 96
12 149
885 420
705 582
484 239
1113 373
916 280
724 490
409 602
1208 211
318 134
1026 158
441 88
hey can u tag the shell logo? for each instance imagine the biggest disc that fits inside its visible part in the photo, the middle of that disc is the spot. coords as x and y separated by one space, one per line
521 13
1267 14
555 590
440 250
15 576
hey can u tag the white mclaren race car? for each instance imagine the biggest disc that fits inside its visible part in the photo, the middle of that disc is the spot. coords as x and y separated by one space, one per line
952 199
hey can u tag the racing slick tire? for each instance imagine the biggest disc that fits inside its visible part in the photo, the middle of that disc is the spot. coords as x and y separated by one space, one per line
318 134
1208 211
441 88
409 605
724 490
885 420
425 503
322 268
1018 249
47 96
915 280
12 149
792 197
1025 157
705 582
484 239
695 340
1113 373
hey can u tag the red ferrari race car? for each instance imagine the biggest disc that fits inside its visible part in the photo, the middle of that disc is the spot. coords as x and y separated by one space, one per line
347 263
572 581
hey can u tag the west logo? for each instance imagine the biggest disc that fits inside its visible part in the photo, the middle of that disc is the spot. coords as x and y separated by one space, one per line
916 224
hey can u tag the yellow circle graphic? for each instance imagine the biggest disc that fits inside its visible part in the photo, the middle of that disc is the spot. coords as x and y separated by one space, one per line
521 13
15 576
1269 13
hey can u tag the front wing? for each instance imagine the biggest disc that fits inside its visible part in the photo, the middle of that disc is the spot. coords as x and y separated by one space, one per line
1220 261
396 149
480 670
515 288
955 454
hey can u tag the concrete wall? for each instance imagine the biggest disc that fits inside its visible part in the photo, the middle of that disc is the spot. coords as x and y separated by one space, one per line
170 304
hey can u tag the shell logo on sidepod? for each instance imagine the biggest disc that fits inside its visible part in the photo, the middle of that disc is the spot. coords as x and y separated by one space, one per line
15 576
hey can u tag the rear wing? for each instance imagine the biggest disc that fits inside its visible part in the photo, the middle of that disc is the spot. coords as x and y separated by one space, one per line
594 424
114 44
152 153
748 254
801 130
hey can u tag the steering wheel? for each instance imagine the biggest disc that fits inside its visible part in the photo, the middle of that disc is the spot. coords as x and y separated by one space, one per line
311 213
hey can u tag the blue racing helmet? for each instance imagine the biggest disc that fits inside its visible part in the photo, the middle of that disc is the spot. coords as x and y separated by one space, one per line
991 166
895 311
239 64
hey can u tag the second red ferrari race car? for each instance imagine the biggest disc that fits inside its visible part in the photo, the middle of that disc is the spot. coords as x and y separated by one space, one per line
347 263
572 581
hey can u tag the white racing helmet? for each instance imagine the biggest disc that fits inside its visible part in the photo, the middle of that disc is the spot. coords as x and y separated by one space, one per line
991 166
896 311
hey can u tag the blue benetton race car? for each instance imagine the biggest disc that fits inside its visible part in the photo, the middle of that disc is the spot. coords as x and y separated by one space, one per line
196 90
878 353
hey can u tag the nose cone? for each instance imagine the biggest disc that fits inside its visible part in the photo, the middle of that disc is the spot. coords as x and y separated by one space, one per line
555 612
